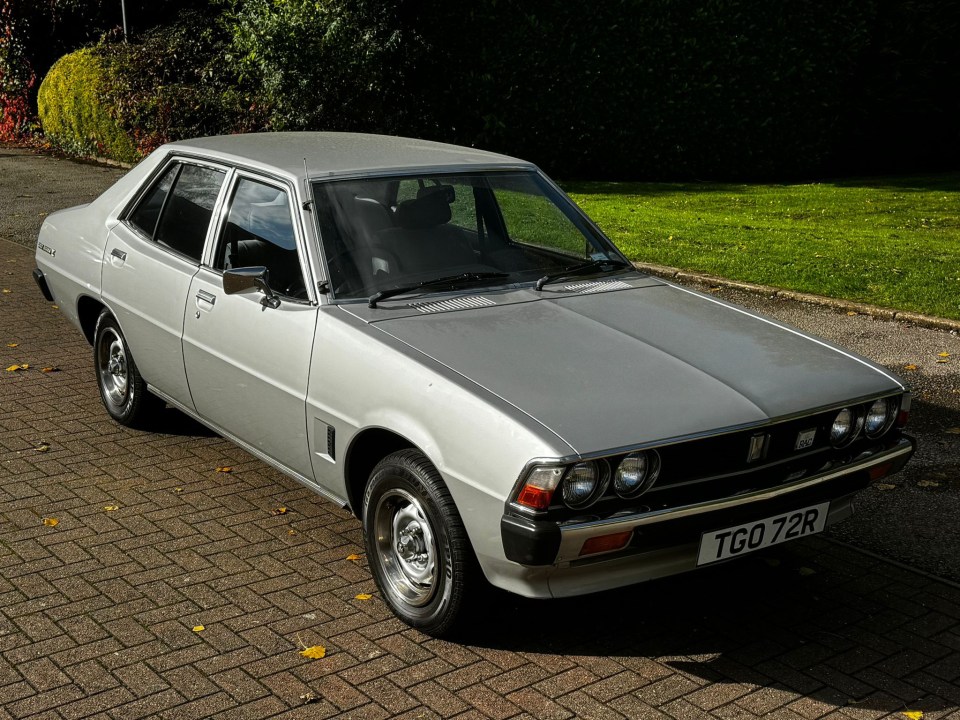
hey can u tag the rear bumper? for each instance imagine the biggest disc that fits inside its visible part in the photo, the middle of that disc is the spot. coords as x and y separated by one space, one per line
42 284
539 543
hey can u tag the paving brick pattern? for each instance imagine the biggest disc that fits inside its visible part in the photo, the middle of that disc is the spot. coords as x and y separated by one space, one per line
98 612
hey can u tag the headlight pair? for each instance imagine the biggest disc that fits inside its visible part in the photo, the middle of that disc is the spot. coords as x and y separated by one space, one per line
585 482
873 419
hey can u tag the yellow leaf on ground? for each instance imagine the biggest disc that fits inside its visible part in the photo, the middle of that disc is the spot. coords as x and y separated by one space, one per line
953 431
50 369
884 486
18 368
11 345
913 714
354 556
943 354
6 291
291 532
224 469
111 508
316 652
51 522
198 628
942 360
43 447
807 571
910 367
279 511
363 596
927 483
178 490
55 307
851 313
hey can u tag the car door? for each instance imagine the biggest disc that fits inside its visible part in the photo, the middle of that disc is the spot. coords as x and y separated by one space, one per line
247 363
151 256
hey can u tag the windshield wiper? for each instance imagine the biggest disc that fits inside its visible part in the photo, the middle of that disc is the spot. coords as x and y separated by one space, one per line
588 268
449 282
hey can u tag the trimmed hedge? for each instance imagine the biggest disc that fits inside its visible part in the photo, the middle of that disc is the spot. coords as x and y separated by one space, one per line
73 113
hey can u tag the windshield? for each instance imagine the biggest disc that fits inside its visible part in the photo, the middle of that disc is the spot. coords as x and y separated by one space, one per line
384 234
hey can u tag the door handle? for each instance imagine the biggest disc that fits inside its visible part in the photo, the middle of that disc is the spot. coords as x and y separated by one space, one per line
206 297
117 257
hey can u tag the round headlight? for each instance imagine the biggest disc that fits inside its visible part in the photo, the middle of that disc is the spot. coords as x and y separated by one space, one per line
581 484
878 416
844 427
636 473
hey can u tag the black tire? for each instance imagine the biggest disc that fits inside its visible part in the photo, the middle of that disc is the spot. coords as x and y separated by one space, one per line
122 389
418 550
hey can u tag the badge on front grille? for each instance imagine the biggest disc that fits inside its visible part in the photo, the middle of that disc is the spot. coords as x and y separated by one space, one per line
805 439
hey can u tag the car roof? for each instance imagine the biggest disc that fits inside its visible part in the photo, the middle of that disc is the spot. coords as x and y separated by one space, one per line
335 153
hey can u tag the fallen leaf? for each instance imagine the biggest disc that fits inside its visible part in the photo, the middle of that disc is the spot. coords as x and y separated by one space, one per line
111 508
198 628
911 367
806 571
12 345
291 532
42 447
953 431
279 511
51 522
353 557
49 369
884 486
942 360
913 714
308 698
316 652
18 368
851 313
943 354
178 490
362 596
927 483
7 292
55 307
224 469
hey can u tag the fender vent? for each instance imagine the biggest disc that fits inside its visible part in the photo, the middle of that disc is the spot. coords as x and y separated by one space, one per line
597 286
460 303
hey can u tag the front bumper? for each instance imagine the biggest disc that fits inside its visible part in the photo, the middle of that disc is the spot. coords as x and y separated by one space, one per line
532 543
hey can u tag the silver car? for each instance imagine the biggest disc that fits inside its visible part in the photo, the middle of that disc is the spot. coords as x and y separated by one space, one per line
439 339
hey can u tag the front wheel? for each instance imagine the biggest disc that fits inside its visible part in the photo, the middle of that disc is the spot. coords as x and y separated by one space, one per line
122 389
418 549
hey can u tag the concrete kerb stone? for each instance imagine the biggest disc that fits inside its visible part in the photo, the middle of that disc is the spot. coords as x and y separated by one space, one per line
882 313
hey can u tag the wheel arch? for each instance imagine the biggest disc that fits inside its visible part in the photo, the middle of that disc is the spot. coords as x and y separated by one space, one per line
366 449
88 311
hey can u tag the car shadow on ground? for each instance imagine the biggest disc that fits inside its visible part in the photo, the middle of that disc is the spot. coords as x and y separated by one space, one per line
782 621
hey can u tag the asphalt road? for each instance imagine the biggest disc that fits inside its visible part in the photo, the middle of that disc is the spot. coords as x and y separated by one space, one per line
913 518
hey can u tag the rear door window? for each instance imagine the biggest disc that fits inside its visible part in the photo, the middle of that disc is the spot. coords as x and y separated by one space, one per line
176 212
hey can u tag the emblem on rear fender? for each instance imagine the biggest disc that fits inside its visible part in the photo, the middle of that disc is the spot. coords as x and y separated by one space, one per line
48 250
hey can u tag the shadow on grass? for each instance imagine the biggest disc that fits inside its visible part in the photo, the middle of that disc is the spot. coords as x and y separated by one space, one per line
945 182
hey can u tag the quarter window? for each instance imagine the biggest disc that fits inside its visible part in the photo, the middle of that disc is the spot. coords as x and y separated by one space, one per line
176 212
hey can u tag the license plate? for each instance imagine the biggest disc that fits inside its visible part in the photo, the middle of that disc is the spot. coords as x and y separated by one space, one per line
742 539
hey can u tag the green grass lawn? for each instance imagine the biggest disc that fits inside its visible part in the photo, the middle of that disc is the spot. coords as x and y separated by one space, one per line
888 241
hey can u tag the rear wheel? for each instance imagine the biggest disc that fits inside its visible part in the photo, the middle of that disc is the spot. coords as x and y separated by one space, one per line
122 389
418 549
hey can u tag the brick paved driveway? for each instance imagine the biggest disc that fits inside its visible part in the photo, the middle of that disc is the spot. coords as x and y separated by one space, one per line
97 613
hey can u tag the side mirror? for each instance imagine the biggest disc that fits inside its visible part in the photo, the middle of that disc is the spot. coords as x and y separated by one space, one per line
239 280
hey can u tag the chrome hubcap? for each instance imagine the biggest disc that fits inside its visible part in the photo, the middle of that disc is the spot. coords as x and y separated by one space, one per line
112 367
406 547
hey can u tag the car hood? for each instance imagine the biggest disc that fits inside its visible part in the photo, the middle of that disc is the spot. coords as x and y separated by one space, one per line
645 364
